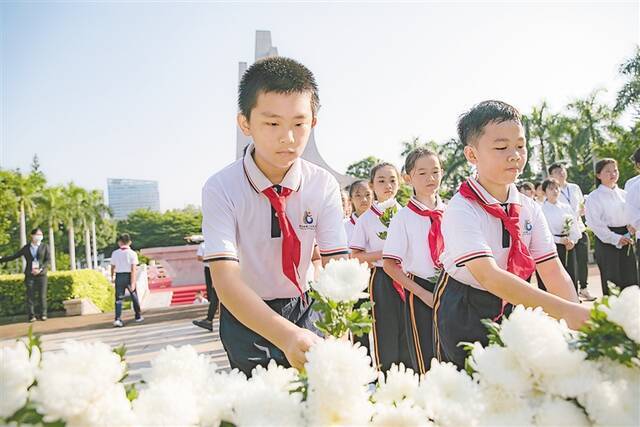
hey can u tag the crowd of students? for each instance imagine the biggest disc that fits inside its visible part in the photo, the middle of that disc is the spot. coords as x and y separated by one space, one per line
437 269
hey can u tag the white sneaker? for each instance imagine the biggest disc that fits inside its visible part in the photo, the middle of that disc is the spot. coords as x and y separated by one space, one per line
118 323
139 319
585 295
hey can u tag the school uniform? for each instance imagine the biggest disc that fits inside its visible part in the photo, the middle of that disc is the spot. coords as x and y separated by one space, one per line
414 240
212 295
571 194
475 224
632 209
271 231
390 343
557 214
122 259
350 225
606 217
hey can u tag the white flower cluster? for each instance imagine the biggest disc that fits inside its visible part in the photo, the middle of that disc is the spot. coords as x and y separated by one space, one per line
17 373
624 310
343 280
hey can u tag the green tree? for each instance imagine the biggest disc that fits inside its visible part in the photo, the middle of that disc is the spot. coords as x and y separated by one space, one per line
154 229
50 205
72 210
361 168
629 94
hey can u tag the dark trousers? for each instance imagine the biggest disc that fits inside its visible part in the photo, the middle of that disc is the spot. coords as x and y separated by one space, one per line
420 321
36 285
568 261
582 260
457 314
618 266
123 282
246 349
390 336
364 338
212 296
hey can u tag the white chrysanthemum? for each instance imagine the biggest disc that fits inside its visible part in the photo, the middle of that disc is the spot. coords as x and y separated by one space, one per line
397 384
402 415
449 396
554 412
216 403
614 371
577 379
71 380
613 402
168 402
499 366
111 409
343 280
390 202
275 376
624 310
17 373
538 341
260 404
338 377
503 408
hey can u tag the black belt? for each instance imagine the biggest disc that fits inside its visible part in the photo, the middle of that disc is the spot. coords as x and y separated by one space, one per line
124 273
561 235
619 230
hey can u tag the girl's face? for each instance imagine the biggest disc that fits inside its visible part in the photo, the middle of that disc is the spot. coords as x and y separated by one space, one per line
426 175
346 206
539 193
552 192
385 183
609 175
361 198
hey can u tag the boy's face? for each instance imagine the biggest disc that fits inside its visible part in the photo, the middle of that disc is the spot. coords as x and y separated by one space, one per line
500 153
280 126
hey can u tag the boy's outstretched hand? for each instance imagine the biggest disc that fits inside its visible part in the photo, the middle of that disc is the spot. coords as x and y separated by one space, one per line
297 344
577 315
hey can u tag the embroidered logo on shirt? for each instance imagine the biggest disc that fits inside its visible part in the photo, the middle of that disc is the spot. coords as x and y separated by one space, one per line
527 227
308 223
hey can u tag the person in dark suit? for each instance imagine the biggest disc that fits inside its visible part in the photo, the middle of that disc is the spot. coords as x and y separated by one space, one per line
38 258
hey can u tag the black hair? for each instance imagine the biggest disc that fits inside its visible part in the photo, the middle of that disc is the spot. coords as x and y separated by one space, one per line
600 165
527 186
124 238
549 182
353 187
636 157
414 155
275 74
35 230
376 168
555 166
471 124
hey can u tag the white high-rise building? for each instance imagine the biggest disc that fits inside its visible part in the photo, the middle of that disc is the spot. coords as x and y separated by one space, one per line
128 195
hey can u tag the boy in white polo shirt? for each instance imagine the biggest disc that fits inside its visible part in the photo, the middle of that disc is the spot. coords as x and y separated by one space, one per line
262 215
124 262
495 239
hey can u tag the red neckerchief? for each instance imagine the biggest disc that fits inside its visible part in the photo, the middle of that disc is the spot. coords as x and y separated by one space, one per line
436 242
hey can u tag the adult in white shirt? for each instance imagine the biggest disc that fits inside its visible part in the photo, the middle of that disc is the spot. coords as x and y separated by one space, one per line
571 194
605 211
632 187
563 225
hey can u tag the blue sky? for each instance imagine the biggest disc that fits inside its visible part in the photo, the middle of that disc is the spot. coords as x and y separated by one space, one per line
148 90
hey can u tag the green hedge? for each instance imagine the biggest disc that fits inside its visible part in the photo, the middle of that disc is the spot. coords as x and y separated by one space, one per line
63 285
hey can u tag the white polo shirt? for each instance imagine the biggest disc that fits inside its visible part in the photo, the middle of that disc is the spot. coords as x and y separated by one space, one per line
408 241
555 214
632 205
605 207
469 232
366 234
571 194
238 222
200 253
123 258
349 226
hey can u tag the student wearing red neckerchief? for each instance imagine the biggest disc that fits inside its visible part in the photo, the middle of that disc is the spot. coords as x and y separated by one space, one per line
494 239
412 250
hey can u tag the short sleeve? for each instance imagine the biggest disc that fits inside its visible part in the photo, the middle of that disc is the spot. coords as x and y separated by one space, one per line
359 236
542 246
218 223
133 258
463 238
396 244
200 251
330 234
113 261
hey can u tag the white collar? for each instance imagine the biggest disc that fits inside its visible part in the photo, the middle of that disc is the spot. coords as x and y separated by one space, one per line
423 207
292 179
513 196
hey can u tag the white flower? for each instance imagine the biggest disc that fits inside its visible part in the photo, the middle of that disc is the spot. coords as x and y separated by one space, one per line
275 376
260 404
71 380
449 396
503 408
338 377
499 366
343 280
613 402
216 403
398 384
17 373
390 202
168 402
401 415
111 409
577 379
554 412
624 310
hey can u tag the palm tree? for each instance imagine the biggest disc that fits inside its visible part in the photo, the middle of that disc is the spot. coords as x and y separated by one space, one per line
98 209
73 197
26 188
629 94
51 202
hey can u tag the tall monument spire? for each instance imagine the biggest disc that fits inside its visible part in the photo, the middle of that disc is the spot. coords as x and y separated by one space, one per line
264 49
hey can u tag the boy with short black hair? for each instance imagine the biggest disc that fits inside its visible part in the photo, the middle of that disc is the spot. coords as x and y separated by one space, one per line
495 239
262 216
124 262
